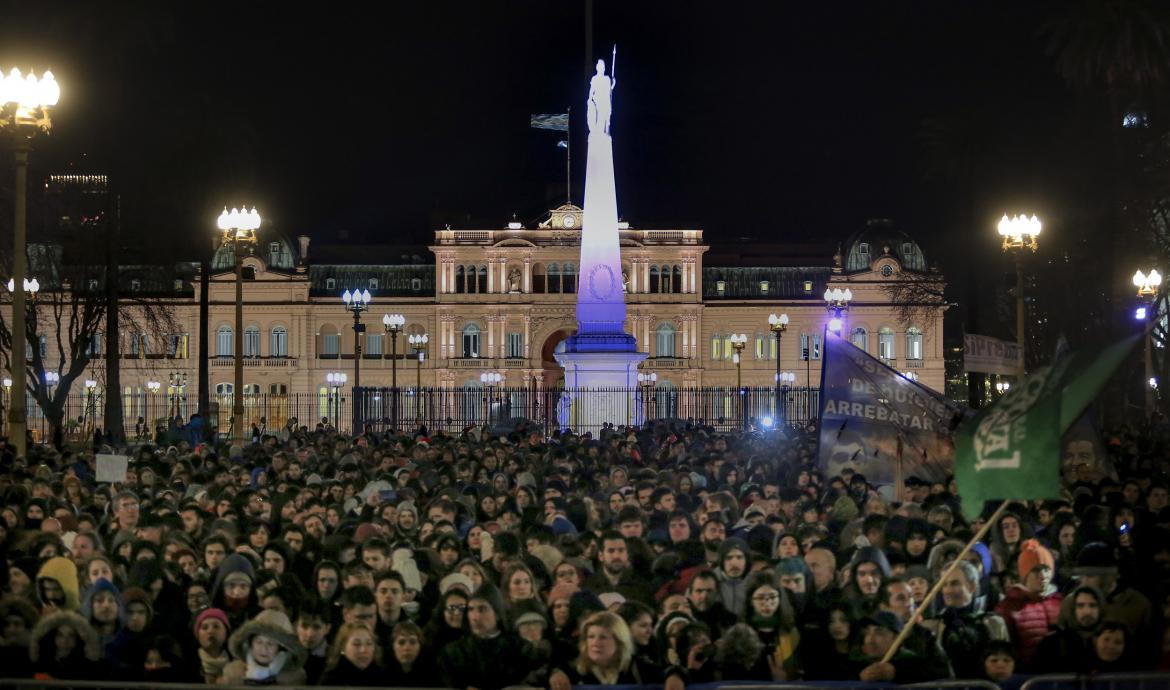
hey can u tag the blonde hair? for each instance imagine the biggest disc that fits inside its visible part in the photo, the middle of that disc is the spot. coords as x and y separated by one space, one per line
616 627
346 631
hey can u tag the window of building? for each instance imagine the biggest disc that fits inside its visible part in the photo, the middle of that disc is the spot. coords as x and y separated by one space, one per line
860 338
515 345
554 278
136 285
224 343
569 276
914 343
763 287
373 283
664 340
93 284
274 248
676 283
720 286
716 347
460 280
907 250
863 248
374 344
177 345
224 389
471 340
178 284
94 349
665 283
810 346
330 283
43 341
278 342
278 389
416 284
252 341
765 346
482 285
330 344
886 343
251 389
808 285
654 279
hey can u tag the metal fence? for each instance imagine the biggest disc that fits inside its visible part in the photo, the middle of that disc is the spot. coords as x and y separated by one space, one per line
1103 681
449 409
453 409
26 684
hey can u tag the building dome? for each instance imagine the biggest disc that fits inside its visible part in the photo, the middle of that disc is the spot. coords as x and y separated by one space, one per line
880 238
274 249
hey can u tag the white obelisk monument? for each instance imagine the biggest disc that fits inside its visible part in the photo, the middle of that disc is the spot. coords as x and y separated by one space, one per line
601 357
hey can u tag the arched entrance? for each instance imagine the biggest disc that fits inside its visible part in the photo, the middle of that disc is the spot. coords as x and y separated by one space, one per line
554 373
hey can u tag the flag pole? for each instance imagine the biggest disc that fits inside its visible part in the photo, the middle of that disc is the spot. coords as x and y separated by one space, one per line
938 585
568 156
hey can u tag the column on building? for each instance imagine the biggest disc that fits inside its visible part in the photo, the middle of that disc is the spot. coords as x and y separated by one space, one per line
645 276
527 326
527 275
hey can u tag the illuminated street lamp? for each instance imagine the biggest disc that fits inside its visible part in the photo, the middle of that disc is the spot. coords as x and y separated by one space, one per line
647 382
778 324
836 303
1002 387
784 380
238 230
1147 285
393 324
335 380
490 380
25 103
738 342
418 342
1020 233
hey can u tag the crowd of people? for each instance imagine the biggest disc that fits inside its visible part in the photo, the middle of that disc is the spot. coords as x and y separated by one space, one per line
667 555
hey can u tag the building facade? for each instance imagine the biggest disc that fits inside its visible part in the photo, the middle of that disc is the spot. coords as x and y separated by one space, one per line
502 300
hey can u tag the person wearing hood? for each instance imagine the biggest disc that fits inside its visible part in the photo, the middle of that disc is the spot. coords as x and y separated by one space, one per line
1031 607
1097 567
735 562
407 524
867 570
64 647
1070 648
104 609
266 652
234 590
490 657
57 588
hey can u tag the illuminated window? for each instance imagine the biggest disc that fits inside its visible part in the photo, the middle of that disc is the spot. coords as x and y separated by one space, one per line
886 343
224 343
664 340
913 343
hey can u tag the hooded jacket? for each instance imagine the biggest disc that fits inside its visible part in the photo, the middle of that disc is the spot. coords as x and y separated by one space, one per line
275 626
82 664
1070 648
1029 618
732 590
64 571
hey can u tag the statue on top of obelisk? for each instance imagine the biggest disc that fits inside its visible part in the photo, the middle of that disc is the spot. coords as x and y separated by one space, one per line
600 99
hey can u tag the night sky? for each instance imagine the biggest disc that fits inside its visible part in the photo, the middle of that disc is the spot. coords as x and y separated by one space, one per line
772 121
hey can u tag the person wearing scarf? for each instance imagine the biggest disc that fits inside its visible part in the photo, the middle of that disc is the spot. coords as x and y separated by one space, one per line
211 632
266 652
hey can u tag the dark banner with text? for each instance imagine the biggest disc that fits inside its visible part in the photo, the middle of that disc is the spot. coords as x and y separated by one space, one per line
880 423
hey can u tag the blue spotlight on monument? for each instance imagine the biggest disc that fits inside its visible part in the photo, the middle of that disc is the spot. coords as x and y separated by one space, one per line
835 325
1140 313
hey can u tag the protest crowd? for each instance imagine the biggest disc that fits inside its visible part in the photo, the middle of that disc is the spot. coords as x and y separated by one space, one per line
667 555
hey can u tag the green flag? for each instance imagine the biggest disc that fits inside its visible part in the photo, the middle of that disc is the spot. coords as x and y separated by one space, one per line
1011 450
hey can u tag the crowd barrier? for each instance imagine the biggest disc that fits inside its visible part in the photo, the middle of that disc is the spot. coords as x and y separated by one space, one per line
1118 681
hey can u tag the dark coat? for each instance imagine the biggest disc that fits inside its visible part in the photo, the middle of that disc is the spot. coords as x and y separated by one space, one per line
345 674
487 664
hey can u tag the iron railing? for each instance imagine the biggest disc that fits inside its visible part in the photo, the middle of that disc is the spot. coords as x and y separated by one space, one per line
454 409
155 416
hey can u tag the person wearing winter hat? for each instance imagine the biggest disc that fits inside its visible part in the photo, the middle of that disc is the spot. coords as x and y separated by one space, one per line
491 657
1097 567
1070 648
234 590
868 569
52 659
1031 607
266 651
104 609
211 630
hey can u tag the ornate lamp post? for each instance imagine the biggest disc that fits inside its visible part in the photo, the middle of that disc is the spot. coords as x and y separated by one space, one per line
784 380
238 230
418 342
176 384
837 303
335 380
1147 291
778 324
151 391
357 302
647 382
738 342
393 324
490 379
1002 387
25 102
1020 233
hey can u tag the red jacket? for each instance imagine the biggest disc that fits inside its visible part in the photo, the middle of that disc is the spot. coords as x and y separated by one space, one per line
1029 618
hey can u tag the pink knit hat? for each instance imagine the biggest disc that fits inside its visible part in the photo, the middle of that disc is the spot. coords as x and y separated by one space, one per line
217 614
